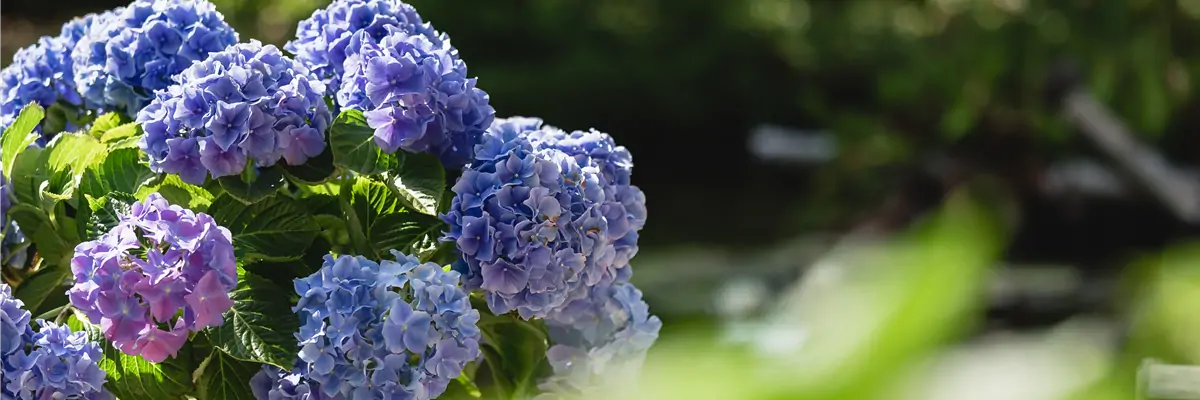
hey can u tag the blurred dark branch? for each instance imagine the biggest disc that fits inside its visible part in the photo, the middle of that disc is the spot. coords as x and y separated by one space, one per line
1171 187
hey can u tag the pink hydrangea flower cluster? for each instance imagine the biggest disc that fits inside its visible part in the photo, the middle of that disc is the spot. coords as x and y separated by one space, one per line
160 273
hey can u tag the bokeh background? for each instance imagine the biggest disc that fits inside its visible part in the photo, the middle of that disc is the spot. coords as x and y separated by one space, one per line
852 199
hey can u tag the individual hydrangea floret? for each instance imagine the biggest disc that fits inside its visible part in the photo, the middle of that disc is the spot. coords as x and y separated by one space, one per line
43 73
600 341
248 102
159 260
393 329
536 225
54 363
14 250
416 95
321 39
121 61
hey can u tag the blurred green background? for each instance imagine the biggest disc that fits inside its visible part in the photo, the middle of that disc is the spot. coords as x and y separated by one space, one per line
940 232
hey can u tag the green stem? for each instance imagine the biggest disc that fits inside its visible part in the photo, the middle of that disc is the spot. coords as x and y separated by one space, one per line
62 314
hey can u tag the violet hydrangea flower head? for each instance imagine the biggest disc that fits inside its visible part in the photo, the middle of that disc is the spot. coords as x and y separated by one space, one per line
624 206
160 259
600 341
43 73
416 95
393 329
247 102
122 60
535 224
14 324
321 39
60 365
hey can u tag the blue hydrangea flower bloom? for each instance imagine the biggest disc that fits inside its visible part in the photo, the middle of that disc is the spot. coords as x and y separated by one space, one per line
625 204
539 221
600 341
160 259
321 39
14 323
247 102
272 383
394 329
416 94
53 363
43 73
63 364
121 61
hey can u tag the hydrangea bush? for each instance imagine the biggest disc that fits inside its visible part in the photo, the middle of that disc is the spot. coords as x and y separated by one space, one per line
190 216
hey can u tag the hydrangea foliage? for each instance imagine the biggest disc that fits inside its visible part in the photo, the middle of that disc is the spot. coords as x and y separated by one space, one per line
53 363
393 329
44 72
121 60
539 220
162 272
247 102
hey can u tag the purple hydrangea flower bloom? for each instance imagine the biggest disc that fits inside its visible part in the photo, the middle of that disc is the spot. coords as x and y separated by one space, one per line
600 341
44 73
247 102
624 209
393 329
542 216
415 93
120 61
321 39
159 260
